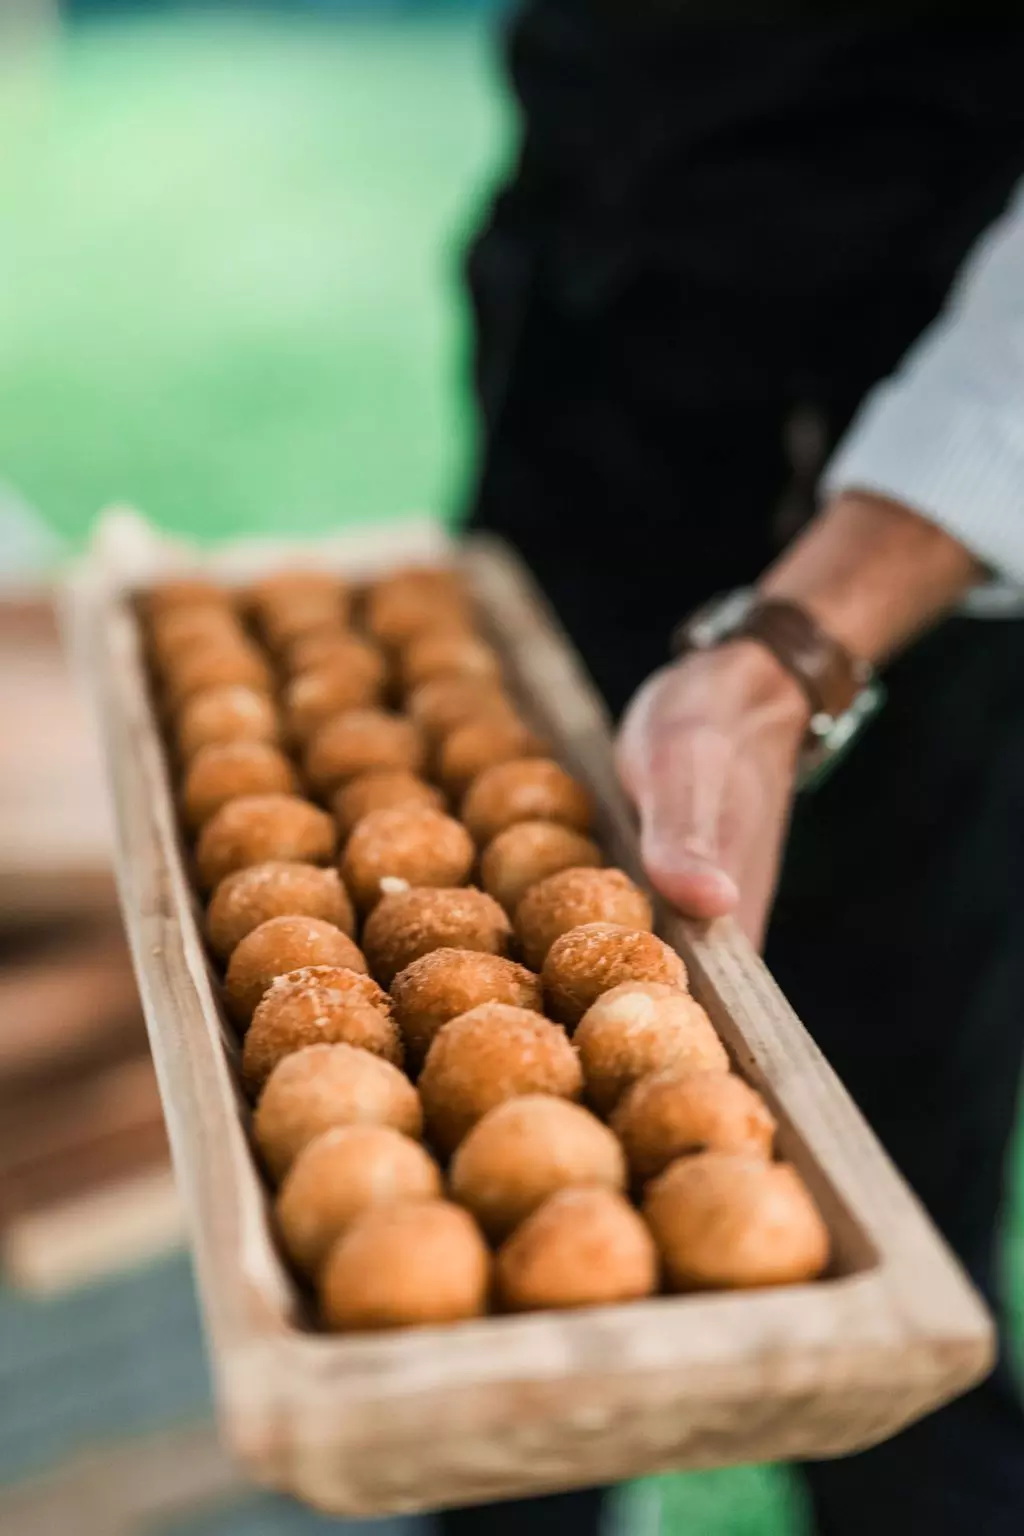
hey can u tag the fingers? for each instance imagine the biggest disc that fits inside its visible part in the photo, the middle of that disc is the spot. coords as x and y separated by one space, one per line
680 805
708 753
678 778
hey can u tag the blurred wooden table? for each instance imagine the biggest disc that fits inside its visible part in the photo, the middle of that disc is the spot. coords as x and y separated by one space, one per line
54 842
80 1114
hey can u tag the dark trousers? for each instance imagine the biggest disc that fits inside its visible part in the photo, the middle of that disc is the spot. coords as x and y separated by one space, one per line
708 237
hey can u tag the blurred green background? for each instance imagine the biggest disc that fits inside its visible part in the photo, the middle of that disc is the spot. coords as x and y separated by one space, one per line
229 264
230 259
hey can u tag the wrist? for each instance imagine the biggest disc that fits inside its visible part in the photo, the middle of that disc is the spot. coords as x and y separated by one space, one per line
872 573
755 681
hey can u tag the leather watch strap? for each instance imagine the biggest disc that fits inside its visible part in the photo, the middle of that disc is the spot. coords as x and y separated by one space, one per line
842 689
828 673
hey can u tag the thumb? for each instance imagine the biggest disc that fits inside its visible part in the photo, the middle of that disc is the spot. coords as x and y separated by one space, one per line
679 791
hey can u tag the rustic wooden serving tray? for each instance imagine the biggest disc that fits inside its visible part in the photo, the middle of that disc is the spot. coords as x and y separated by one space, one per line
512 1406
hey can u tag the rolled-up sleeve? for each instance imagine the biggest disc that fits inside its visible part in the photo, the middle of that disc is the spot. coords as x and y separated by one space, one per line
945 434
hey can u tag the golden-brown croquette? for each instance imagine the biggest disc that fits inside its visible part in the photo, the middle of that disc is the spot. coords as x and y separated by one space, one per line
582 1248
572 898
322 1086
446 982
277 888
448 653
381 790
342 1174
492 1053
413 843
724 1220
528 789
256 828
641 1027
184 592
279 945
359 740
314 1005
529 852
408 602
442 705
591 959
230 712
480 744
677 1111
228 770
405 1265
345 681
407 924
217 664
526 1149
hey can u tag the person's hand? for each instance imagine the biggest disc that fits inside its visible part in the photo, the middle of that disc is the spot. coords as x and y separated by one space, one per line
708 751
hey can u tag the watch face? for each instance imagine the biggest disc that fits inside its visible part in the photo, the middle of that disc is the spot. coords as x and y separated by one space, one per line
836 736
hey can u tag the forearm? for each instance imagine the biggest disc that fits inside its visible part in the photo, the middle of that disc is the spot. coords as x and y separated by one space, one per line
873 573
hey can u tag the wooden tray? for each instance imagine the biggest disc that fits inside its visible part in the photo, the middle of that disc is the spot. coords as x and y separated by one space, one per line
512 1406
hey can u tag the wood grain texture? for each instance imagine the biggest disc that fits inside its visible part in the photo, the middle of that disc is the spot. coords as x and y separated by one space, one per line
511 1406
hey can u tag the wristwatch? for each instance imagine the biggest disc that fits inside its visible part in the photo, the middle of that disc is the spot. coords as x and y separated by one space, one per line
843 690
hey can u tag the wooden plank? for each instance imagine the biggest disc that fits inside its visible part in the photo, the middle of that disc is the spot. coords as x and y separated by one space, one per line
116 1227
54 832
65 1003
123 1489
521 1405
55 1146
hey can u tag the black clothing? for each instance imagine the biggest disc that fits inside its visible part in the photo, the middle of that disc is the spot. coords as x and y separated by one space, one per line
706 233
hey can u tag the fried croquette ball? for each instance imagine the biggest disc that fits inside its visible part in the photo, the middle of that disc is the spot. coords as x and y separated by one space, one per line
341 683
358 741
279 945
423 847
446 982
288 621
525 1150
217 664
179 630
480 744
722 1219
442 705
227 713
531 789
591 959
184 592
317 1004
481 1058
529 852
295 603
449 654
328 641
316 588
572 898
641 1027
228 770
402 605
382 789
342 1174
277 888
405 1266
407 924
675 1112
322 1086
256 828
581 1248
